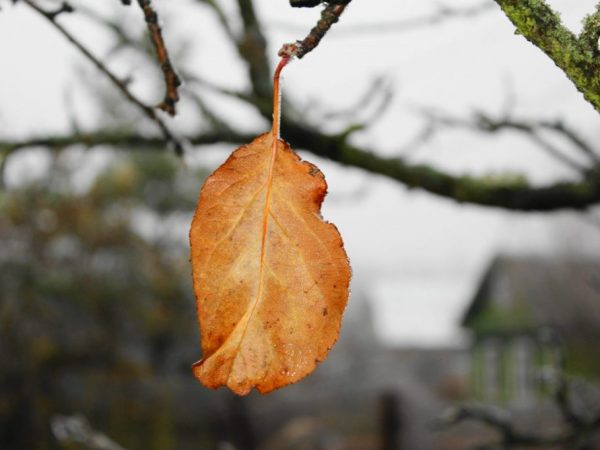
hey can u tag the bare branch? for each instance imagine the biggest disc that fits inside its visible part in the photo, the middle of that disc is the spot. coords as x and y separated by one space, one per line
203 83
444 13
120 84
251 45
252 48
63 8
329 16
313 3
551 149
379 90
118 139
508 193
530 128
569 133
172 81
213 119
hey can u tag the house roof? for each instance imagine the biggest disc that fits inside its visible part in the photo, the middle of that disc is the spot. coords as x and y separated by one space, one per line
560 293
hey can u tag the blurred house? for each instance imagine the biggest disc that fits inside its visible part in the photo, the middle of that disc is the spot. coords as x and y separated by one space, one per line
531 315
531 320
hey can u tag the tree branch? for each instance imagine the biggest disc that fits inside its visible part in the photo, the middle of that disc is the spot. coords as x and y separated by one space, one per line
313 3
172 81
252 48
329 16
577 430
119 139
120 84
539 24
590 34
509 193
530 128
443 13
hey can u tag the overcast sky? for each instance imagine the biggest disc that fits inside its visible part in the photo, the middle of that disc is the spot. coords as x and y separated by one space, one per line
416 257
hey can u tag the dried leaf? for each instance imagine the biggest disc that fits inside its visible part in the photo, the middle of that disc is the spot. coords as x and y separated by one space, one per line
270 276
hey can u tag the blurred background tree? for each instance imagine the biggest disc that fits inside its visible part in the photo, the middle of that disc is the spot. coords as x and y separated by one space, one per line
90 299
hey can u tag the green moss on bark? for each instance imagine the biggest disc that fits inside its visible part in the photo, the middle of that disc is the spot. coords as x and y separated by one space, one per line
576 56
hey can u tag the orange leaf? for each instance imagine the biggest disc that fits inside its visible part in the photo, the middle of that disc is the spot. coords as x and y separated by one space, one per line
270 276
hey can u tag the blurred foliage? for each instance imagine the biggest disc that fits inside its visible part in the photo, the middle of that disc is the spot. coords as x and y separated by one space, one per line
96 310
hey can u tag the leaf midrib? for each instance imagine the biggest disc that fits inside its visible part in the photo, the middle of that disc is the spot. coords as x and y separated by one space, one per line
265 226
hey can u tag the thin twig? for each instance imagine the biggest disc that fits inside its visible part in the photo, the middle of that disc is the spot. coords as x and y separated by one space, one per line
213 119
443 14
529 126
531 129
195 80
330 15
172 81
379 88
551 150
313 3
578 141
120 84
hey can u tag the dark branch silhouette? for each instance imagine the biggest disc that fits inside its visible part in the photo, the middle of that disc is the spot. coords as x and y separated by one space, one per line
442 14
483 122
120 84
172 81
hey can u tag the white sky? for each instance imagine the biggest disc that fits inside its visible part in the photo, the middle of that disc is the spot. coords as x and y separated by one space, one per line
418 256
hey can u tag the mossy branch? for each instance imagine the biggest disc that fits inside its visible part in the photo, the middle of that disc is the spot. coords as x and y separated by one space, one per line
513 192
577 56
591 31
508 192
